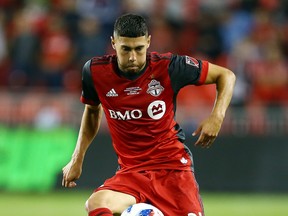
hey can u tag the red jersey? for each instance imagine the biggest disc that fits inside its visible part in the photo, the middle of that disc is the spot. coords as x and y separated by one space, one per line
140 112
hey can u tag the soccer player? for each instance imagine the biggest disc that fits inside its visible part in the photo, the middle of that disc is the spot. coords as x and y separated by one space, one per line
137 91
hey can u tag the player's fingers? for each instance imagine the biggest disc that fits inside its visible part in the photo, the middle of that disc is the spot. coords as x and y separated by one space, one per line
197 131
63 179
209 142
66 183
72 184
200 140
69 184
204 141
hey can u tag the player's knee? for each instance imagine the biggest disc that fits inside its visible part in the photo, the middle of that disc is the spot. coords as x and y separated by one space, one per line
86 206
98 200
94 202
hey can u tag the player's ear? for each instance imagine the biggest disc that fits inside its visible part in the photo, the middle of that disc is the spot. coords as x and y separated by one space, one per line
148 41
112 42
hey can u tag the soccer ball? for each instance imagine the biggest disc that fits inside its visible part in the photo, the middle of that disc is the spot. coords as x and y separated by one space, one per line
142 209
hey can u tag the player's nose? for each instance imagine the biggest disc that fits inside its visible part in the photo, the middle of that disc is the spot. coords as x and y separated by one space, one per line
132 56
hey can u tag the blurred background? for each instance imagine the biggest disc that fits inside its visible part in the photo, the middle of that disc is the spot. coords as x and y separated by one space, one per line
44 44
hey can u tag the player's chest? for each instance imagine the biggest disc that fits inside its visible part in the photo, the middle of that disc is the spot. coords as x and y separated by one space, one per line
148 96
127 93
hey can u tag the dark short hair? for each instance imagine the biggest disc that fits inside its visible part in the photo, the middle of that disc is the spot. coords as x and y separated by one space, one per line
130 25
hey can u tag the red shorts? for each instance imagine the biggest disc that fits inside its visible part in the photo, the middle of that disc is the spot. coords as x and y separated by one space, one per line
174 192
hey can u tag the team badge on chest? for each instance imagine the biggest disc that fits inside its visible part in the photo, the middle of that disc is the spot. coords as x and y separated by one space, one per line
155 88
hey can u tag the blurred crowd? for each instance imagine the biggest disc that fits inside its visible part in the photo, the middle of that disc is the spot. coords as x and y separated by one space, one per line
44 44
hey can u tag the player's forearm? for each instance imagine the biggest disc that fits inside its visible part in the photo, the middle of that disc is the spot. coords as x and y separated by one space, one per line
225 85
90 125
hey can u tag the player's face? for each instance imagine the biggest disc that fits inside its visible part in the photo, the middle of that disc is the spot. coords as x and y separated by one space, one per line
131 52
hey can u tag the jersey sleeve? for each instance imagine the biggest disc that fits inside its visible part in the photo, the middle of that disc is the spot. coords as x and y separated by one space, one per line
186 70
89 94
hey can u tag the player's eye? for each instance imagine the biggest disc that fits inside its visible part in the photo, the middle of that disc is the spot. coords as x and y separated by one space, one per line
126 49
139 49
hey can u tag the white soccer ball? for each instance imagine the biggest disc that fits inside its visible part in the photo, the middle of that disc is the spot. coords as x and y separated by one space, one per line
142 209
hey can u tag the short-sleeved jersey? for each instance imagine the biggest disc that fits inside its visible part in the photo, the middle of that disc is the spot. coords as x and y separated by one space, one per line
141 112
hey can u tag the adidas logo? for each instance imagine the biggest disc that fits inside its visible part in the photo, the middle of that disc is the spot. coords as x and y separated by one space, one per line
112 93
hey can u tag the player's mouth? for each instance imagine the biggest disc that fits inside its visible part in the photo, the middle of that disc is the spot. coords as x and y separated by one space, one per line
133 68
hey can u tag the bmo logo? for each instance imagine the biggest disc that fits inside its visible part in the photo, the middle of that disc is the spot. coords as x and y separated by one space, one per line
156 109
127 115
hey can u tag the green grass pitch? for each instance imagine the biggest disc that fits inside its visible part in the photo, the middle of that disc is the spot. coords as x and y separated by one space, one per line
71 203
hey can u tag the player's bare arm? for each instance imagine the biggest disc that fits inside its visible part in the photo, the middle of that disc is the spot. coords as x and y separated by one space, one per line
89 128
210 127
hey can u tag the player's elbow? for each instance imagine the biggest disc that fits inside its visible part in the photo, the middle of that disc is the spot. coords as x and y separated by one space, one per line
230 77
220 75
226 79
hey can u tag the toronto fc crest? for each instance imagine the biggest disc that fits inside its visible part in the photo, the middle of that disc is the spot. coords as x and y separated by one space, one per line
154 88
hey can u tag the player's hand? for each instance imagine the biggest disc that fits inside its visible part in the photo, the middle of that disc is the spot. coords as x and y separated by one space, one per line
71 172
208 131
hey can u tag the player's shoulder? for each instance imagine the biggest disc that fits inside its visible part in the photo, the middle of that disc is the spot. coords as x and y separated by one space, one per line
102 60
156 57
